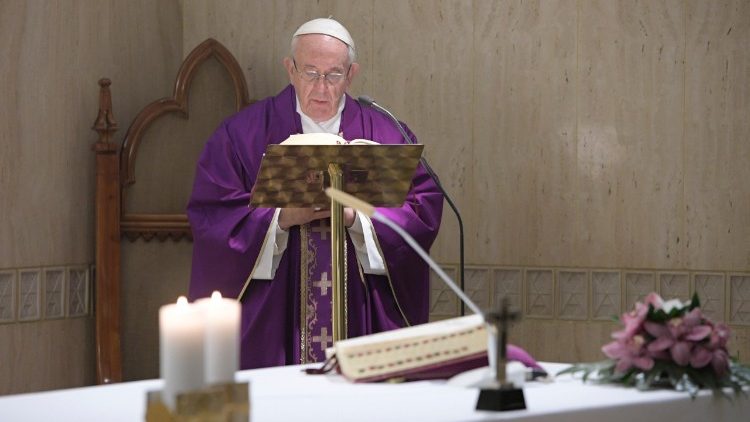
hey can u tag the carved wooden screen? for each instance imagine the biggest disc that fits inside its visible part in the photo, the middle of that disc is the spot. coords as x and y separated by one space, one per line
142 234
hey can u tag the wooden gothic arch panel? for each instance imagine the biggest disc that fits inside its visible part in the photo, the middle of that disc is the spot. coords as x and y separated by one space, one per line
115 172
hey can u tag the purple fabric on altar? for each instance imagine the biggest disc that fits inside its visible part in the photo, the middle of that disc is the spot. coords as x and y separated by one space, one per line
520 355
228 235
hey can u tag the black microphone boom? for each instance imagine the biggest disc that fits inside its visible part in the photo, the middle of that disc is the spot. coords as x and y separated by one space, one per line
369 102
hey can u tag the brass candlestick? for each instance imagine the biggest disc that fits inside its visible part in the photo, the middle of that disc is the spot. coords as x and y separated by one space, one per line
218 403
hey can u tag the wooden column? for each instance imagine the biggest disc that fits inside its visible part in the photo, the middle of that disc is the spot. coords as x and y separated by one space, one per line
107 305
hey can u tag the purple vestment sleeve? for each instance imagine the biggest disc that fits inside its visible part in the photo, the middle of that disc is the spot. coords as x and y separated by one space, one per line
226 229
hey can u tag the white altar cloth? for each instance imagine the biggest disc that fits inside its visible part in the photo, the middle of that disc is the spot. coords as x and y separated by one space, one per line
287 394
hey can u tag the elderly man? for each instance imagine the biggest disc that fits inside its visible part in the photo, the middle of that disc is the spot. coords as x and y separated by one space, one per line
283 255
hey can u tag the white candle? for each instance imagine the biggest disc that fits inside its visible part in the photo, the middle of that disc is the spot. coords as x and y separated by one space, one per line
222 338
181 343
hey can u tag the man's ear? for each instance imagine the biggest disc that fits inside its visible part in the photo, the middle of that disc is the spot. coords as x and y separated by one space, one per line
353 71
289 65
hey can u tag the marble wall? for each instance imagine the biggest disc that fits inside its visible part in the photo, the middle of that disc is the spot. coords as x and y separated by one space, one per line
597 149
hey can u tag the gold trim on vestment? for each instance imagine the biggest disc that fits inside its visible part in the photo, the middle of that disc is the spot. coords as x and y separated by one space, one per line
346 287
304 268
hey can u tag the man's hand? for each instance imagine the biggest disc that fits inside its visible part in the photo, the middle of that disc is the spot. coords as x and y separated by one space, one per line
289 217
349 216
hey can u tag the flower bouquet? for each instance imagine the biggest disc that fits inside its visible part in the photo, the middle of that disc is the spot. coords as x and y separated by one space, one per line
668 344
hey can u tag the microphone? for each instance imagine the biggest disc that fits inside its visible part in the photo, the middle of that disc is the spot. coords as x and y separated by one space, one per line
370 102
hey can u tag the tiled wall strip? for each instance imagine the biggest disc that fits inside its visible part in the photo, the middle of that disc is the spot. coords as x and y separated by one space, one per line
592 294
44 293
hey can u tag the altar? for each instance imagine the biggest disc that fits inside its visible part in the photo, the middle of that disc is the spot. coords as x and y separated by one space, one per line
287 394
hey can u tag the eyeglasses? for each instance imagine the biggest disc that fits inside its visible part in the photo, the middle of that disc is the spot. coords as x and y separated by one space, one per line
333 78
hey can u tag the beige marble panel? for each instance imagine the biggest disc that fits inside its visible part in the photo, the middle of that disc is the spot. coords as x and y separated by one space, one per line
739 343
169 150
53 55
562 341
674 285
246 29
539 289
524 132
717 128
507 283
153 274
57 54
478 288
638 284
47 355
606 294
444 303
711 289
630 171
739 304
572 292
422 71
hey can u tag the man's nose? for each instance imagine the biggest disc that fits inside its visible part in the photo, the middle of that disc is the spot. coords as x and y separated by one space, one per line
320 84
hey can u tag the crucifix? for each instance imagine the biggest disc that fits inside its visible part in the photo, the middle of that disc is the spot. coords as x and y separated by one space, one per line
503 395
498 322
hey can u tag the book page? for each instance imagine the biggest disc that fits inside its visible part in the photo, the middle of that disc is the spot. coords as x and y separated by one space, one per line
314 139
437 328
324 139
362 142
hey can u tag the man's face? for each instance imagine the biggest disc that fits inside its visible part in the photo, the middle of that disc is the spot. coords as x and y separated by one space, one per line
319 98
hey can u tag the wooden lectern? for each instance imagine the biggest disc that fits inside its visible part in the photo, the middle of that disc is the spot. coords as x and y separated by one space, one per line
295 176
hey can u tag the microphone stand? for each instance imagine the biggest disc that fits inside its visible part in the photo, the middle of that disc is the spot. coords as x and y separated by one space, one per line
369 102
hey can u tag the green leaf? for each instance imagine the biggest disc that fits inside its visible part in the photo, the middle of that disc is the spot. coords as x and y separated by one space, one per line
695 302
668 374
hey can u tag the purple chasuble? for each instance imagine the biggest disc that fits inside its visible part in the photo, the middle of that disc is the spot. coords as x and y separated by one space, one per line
228 234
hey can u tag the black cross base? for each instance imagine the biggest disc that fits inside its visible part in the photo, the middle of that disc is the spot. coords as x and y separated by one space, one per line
504 395
501 399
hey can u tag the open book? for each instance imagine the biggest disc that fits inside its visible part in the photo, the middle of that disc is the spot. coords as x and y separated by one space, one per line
429 351
433 350
324 139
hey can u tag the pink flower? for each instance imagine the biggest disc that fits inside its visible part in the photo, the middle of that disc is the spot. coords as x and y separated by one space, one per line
628 353
700 357
717 345
633 321
680 352
680 336
719 336
720 362
654 299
